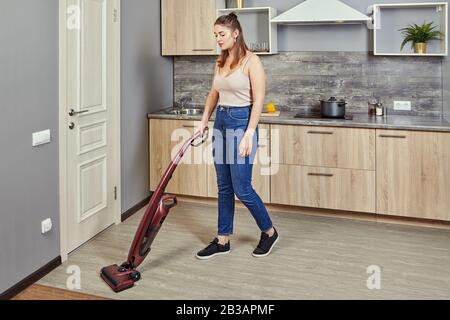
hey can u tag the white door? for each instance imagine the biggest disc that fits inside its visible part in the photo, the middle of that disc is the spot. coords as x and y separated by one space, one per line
92 109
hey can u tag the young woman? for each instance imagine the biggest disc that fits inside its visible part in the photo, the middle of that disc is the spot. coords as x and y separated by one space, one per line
238 91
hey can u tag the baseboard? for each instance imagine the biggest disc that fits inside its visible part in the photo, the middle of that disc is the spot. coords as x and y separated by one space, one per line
31 279
127 214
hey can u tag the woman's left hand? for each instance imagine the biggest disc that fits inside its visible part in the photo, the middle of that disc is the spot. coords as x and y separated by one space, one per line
246 145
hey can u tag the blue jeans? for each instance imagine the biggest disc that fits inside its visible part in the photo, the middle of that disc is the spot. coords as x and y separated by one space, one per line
234 173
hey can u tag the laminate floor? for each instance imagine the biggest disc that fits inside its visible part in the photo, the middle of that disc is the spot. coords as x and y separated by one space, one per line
315 258
40 292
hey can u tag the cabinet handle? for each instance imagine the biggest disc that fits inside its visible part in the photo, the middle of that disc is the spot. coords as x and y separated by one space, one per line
320 132
188 126
391 136
202 49
321 174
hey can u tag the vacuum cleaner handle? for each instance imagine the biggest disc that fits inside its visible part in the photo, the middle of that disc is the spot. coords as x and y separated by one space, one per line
198 135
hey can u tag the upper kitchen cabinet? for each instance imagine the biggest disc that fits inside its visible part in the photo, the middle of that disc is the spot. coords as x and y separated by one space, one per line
187 26
260 35
388 19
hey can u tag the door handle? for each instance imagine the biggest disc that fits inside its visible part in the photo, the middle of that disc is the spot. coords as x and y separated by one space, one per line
392 136
321 174
71 125
74 113
320 132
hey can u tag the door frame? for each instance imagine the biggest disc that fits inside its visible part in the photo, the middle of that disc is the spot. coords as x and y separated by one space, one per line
115 108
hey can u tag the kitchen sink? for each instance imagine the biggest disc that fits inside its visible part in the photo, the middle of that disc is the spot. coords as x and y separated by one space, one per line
189 112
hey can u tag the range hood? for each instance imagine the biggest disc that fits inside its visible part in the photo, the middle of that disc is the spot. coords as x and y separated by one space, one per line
321 12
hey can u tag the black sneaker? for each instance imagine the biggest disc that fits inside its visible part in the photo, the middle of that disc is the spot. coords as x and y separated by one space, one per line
213 249
265 244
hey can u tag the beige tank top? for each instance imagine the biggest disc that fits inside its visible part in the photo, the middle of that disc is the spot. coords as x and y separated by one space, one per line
234 89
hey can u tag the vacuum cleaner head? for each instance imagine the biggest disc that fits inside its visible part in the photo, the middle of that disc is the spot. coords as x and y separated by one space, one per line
119 278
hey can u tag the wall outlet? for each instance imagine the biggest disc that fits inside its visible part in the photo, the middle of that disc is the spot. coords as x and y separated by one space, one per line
402 105
46 226
40 138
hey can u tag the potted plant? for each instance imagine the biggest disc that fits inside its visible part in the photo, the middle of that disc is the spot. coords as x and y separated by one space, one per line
419 36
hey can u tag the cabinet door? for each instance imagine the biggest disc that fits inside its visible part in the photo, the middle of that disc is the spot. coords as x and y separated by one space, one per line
189 177
188 27
413 174
348 148
320 187
261 167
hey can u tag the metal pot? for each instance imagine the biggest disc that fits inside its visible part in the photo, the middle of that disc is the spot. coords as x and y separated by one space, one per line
332 108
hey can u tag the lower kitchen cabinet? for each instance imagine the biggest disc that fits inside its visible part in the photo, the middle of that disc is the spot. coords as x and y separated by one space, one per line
390 172
321 187
348 148
413 174
189 177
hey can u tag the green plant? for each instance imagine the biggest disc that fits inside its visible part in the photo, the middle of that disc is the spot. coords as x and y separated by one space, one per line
417 34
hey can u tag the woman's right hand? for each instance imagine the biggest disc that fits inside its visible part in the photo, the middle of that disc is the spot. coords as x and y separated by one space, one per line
202 128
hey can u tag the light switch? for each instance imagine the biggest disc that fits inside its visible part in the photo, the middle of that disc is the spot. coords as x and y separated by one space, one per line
40 138
46 226
402 105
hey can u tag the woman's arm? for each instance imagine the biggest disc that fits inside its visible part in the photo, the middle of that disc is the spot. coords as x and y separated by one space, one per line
258 84
210 105
258 81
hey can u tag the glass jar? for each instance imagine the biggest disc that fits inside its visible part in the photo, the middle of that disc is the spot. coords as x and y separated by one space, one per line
379 109
371 108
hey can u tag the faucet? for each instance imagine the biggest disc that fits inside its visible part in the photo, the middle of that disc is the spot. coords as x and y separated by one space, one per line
184 101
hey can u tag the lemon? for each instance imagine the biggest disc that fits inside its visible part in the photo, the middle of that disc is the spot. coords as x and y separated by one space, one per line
270 107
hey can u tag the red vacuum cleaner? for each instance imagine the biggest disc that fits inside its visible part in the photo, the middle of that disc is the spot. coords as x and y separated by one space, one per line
123 277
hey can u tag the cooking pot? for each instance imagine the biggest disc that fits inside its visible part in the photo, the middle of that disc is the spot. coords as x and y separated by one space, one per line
332 108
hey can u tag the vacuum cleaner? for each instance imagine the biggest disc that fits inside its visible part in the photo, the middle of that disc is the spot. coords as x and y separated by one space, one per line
123 277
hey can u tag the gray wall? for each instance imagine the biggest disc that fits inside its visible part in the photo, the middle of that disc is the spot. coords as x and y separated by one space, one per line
29 103
446 88
147 85
326 37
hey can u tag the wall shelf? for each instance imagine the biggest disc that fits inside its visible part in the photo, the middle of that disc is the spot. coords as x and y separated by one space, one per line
257 28
389 18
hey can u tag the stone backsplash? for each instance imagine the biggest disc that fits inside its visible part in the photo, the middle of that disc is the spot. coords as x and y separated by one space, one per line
446 88
298 80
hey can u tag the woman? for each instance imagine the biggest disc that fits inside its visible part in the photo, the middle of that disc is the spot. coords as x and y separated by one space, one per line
238 91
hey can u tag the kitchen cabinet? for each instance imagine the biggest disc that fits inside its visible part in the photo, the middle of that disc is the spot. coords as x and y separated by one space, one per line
260 35
347 148
165 139
388 172
413 174
323 167
261 167
321 187
187 26
389 18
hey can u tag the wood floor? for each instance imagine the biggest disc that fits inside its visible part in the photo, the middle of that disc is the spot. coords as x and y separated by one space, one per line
40 292
316 258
